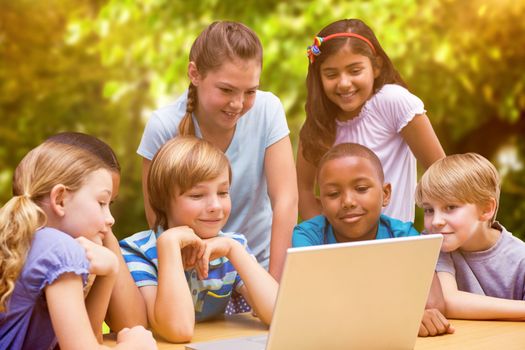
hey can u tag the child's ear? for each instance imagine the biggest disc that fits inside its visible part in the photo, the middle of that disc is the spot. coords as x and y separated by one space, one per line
487 210
387 192
193 73
57 197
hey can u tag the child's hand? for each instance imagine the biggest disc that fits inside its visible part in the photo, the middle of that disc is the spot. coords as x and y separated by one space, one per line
102 261
216 247
138 337
191 246
434 323
109 239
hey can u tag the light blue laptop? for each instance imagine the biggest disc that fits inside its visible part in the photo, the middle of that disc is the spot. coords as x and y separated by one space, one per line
360 295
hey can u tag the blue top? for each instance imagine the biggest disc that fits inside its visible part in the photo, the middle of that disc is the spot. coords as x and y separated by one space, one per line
318 231
27 323
262 126
210 296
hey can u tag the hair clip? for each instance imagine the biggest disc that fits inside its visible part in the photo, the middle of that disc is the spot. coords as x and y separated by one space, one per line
314 50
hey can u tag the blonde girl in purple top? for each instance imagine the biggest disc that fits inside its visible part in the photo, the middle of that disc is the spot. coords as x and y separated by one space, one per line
51 235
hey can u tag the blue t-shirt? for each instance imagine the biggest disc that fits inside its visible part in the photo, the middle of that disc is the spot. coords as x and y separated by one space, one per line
318 231
262 126
210 296
27 323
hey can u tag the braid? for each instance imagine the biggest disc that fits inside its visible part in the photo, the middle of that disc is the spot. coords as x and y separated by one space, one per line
186 126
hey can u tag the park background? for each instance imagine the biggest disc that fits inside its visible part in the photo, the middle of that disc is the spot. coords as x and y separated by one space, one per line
102 67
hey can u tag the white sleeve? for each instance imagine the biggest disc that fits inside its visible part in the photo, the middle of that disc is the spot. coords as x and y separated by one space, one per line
276 127
399 106
155 135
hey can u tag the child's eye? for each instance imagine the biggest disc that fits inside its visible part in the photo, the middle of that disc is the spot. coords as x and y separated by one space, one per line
356 71
333 194
450 207
226 90
251 92
195 195
224 193
330 76
362 189
428 211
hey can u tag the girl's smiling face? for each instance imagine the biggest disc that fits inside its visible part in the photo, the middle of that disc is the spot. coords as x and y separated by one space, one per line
225 94
348 81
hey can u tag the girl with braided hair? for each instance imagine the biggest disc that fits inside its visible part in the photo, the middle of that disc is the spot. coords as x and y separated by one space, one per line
224 106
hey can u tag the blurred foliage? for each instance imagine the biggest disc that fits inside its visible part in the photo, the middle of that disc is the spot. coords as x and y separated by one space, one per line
101 67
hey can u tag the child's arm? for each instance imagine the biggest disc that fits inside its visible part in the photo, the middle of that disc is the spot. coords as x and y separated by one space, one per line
65 301
435 296
125 293
104 264
150 215
309 204
466 305
422 140
282 190
170 305
260 288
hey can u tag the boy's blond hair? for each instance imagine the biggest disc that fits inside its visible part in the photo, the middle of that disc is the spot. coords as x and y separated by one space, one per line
464 178
179 165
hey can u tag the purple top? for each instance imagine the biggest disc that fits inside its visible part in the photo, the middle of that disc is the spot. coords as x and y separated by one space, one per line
27 324
497 272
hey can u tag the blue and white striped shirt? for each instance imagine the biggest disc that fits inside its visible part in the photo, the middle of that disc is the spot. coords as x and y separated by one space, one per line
210 296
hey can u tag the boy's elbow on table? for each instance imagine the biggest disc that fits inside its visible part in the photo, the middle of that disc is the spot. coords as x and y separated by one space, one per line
178 334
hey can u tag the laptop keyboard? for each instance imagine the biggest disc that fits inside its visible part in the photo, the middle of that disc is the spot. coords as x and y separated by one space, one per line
260 339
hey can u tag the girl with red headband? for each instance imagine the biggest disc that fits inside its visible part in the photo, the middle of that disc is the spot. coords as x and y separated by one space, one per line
356 95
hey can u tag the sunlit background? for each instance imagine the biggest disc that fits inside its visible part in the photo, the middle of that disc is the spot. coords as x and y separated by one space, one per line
101 67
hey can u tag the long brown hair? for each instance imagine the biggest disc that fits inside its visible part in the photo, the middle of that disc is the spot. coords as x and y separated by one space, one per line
318 132
40 170
220 42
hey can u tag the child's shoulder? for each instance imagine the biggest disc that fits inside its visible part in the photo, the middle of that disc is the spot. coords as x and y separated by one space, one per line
266 97
172 110
395 227
140 240
508 238
51 238
317 222
239 237
392 92
52 253
311 232
265 102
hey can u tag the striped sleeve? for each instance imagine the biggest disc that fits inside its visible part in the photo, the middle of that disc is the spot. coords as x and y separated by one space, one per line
244 242
140 254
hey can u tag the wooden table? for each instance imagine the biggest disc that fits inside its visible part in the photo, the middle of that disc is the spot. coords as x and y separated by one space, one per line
477 335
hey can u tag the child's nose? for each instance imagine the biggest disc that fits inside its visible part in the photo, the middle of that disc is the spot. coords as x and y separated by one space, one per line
348 201
437 219
237 102
214 204
346 80
110 220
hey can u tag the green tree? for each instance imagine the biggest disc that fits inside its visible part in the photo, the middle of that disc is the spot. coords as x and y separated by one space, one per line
101 67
